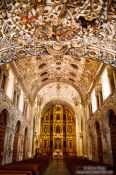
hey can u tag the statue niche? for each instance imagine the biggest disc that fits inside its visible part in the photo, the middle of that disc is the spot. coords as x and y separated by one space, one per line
58 129
58 143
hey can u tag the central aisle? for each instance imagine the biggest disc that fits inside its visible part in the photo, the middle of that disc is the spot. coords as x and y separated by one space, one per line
56 168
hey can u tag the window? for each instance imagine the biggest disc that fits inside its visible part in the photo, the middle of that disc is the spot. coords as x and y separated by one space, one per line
10 85
16 97
94 102
105 84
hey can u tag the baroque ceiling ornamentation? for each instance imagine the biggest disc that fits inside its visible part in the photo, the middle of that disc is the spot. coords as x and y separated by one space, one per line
78 28
58 91
37 73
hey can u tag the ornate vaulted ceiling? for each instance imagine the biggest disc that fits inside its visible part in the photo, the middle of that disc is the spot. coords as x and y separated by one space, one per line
37 73
80 28
57 41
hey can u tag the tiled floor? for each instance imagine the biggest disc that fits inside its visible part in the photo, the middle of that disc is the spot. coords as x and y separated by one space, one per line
57 168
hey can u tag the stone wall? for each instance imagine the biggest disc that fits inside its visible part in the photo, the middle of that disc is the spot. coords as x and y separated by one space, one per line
101 116
14 115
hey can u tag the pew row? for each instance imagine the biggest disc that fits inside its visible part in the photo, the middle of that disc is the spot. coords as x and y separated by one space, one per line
76 164
15 172
35 166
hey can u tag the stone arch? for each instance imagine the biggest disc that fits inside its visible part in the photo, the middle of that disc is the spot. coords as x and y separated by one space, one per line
16 138
111 115
110 107
66 82
6 107
54 101
99 142
4 115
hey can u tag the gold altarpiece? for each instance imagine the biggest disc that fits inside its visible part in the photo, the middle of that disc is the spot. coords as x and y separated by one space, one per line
58 130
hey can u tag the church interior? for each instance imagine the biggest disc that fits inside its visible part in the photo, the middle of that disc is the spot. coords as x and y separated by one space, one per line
57 87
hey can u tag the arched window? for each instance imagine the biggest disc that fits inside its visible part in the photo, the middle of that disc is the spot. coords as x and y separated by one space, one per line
93 100
16 96
105 84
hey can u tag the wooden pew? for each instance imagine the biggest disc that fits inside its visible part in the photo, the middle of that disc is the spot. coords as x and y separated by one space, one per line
35 165
75 164
15 172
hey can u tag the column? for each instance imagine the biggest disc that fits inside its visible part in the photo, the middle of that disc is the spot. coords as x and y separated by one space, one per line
30 132
20 146
84 133
107 149
77 150
8 146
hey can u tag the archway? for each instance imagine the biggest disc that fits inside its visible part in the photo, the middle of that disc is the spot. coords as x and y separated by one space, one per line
3 122
99 142
112 125
25 143
16 137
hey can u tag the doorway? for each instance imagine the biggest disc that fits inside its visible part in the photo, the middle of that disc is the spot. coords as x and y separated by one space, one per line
16 137
3 122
